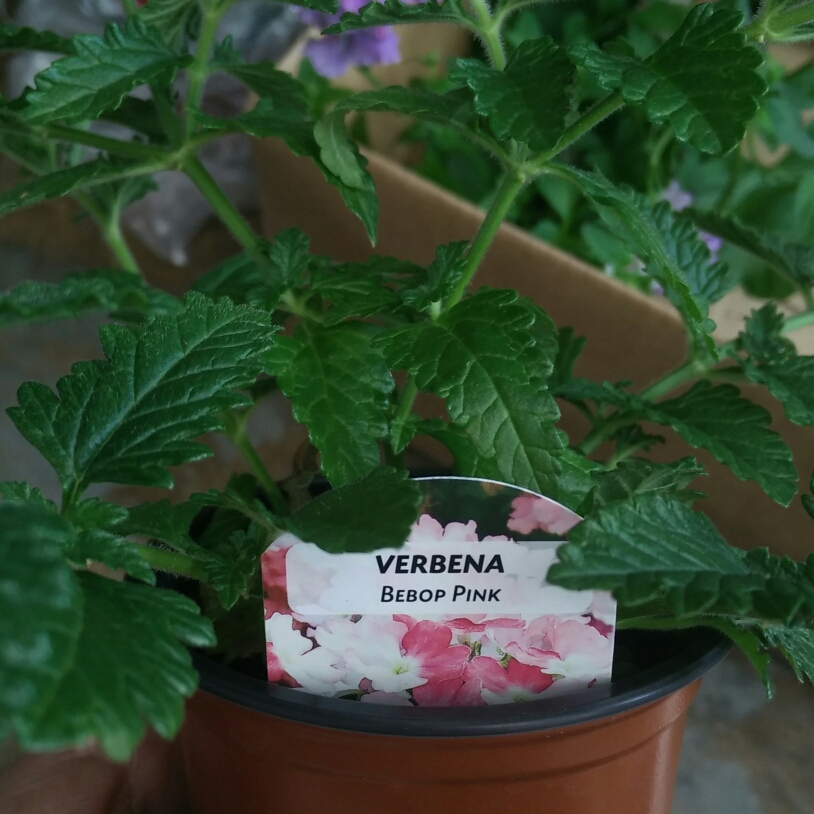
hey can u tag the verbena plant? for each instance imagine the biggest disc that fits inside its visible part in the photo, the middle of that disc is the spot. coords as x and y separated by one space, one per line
84 657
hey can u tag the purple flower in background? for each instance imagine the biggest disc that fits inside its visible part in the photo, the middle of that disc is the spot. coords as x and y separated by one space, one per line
679 199
333 55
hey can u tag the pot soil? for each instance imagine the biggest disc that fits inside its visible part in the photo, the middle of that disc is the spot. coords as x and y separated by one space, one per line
255 748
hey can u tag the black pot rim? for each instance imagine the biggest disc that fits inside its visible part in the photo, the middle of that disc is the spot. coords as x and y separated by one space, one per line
695 654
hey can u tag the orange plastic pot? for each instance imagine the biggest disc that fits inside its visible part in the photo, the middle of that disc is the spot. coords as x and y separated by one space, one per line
250 747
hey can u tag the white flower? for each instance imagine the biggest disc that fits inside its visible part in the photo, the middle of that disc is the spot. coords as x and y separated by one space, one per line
315 669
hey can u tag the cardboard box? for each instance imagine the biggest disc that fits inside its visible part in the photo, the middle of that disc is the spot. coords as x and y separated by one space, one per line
629 336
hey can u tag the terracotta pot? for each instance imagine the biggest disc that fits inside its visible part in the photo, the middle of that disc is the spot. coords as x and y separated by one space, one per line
254 748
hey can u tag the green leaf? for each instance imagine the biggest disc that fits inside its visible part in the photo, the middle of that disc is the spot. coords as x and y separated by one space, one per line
40 611
337 151
641 477
484 359
763 336
704 81
235 278
59 183
14 491
791 382
122 294
797 645
751 642
126 418
575 479
269 119
102 72
655 549
16 38
792 260
132 669
348 519
808 505
231 566
735 430
139 115
96 545
673 256
164 521
93 513
392 12
569 347
528 101
266 81
339 387
442 276
169 17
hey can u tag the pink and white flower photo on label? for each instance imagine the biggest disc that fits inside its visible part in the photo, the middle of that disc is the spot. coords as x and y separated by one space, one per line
461 615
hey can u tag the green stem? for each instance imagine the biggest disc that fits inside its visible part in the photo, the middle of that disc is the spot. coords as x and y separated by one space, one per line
777 24
507 192
489 31
167 114
579 128
689 370
162 559
224 208
127 149
798 321
258 468
111 231
198 71
406 398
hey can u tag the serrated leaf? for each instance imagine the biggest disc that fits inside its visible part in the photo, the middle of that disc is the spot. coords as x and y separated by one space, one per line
166 522
17 38
790 381
82 293
14 491
347 519
655 549
797 645
442 276
235 278
101 73
266 81
792 260
762 337
703 81
483 358
575 479
808 505
751 641
569 347
93 513
95 545
337 151
126 418
736 431
665 246
392 12
268 119
231 566
528 101
169 17
132 669
59 183
339 387
40 611
641 477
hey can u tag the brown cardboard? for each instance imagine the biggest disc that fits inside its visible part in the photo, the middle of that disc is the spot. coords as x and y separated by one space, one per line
630 336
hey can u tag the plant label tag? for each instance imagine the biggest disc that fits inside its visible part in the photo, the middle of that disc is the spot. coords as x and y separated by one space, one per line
462 614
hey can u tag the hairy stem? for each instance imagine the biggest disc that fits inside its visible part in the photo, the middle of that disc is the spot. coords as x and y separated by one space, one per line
507 192
162 559
111 231
199 70
579 128
774 26
489 32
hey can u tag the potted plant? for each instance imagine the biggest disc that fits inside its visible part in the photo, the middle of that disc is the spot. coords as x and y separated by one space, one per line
88 658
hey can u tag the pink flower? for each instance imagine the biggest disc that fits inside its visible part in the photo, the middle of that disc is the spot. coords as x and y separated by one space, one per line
452 692
516 682
571 648
276 673
481 622
429 644
272 569
530 513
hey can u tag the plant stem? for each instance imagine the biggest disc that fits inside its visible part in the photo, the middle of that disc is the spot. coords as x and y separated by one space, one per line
504 198
489 31
198 71
798 321
112 233
127 149
690 369
580 127
224 208
769 27
406 398
166 112
162 559
258 468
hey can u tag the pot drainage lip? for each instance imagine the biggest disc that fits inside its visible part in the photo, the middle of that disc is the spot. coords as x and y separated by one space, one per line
699 650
